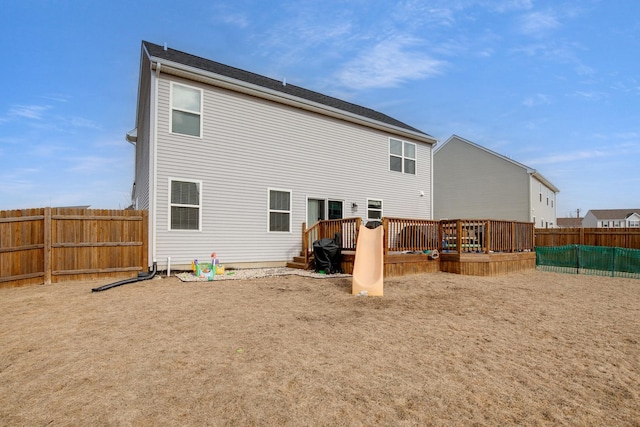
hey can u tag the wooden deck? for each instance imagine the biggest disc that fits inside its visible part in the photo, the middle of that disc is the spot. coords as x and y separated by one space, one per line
397 264
492 264
487 247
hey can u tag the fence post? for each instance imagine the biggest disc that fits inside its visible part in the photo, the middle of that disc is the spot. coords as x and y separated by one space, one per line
47 246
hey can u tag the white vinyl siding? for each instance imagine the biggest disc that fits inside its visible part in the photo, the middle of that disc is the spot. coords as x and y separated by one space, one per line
251 145
279 210
186 110
185 202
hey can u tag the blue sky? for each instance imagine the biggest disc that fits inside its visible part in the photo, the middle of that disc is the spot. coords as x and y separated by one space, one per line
551 84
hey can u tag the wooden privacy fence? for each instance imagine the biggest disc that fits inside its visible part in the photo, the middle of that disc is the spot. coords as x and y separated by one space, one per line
614 237
49 245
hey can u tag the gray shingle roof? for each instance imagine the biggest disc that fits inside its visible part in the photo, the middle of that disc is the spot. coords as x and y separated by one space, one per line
614 214
272 84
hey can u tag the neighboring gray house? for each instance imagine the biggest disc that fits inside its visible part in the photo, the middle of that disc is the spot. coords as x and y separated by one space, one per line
612 218
234 162
473 182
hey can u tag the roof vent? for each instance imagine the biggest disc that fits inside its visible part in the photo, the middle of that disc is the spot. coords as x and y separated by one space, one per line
284 81
165 46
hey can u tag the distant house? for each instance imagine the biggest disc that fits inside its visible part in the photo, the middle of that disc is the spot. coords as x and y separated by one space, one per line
612 218
569 222
471 181
235 162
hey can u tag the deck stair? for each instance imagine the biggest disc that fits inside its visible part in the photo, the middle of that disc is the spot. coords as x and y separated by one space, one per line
299 263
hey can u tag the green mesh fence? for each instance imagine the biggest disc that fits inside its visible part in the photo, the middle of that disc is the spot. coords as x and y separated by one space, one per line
593 260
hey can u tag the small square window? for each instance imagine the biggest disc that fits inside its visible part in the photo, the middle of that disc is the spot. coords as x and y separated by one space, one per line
402 156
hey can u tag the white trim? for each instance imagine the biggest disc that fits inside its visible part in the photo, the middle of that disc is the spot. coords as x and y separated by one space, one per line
171 109
290 211
170 205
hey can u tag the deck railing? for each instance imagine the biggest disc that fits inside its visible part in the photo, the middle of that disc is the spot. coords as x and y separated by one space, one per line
409 235
403 234
485 236
347 227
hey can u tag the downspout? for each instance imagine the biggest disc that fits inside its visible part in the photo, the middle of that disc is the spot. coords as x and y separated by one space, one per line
154 166
431 196
141 276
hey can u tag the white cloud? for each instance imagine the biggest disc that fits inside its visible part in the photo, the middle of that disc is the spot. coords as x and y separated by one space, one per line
538 24
34 112
388 64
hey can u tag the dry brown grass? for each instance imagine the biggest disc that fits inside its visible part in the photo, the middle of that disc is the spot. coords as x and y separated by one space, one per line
438 349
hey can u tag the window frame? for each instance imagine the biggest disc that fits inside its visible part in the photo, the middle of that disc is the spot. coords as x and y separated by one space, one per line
374 209
269 210
170 204
403 157
172 108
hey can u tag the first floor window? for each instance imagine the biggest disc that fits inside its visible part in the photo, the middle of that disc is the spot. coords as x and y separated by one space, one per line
185 202
402 156
374 209
279 210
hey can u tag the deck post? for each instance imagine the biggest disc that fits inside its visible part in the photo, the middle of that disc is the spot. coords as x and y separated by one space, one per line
385 240
513 237
305 244
459 235
488 236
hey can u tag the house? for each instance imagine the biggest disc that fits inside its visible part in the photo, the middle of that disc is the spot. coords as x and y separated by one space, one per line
471 181
234 162
569 222
612 218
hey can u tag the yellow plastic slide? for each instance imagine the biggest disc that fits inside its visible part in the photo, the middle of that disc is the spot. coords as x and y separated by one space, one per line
368 267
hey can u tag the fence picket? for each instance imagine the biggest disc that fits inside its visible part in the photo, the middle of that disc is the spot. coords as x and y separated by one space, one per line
49 245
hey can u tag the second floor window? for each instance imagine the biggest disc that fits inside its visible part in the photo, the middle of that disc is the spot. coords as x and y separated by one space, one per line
186 110
402 156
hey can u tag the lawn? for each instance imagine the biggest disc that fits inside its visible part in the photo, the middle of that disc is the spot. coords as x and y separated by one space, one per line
533 348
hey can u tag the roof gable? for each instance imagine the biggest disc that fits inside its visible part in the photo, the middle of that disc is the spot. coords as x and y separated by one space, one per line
528 170
176 56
